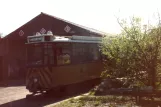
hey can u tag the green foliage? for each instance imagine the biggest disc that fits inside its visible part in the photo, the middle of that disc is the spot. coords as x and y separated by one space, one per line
71 100
133 54
97 101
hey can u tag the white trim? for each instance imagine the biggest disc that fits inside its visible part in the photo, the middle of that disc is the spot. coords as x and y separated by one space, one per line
54 38
88 38
69 41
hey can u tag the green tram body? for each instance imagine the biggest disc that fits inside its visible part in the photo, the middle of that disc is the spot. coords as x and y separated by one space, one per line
54 61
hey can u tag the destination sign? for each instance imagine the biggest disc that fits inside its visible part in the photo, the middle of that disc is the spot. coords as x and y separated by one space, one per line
36 39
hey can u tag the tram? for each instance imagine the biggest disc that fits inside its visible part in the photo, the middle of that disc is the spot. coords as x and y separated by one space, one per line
57 61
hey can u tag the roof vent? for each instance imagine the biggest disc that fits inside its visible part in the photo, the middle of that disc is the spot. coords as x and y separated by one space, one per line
38 34
49 33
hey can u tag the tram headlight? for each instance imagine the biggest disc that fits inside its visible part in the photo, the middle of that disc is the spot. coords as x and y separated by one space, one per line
35 80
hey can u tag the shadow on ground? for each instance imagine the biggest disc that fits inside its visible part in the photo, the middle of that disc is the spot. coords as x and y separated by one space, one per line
44 100
147 103
38 101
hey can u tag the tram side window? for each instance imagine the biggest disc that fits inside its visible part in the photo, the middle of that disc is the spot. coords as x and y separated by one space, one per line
63 55
80 52
85 52
94 52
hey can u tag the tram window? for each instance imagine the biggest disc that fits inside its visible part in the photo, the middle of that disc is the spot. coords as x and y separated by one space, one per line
80 53
51 60
63 55
48 54
94 51
51 55
63 58
45 60
85 53
35 55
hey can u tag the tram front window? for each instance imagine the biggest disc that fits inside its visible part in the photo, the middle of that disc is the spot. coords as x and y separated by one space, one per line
35 55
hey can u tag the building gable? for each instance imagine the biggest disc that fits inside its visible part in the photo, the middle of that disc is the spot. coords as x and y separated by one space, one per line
44 22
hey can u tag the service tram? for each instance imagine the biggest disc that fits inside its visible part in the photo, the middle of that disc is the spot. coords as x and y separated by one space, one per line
57 61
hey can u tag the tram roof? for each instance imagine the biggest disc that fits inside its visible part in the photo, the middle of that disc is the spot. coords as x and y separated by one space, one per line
69 39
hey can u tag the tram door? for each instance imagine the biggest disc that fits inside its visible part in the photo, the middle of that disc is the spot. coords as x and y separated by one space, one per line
48 54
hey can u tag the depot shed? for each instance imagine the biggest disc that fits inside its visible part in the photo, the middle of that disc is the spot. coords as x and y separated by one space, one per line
13 49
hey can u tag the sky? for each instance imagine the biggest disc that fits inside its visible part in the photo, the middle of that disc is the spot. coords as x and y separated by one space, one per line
97 14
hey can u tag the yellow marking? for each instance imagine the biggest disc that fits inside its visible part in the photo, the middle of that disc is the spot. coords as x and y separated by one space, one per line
47 69
46 77
48 74
43 79
42 82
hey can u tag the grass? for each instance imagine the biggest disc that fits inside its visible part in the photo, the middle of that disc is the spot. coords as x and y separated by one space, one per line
97 101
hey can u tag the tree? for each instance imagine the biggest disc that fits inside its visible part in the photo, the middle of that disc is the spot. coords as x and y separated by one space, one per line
134 54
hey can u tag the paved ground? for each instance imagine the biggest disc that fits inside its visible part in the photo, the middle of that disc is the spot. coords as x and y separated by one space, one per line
9 94
14 96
